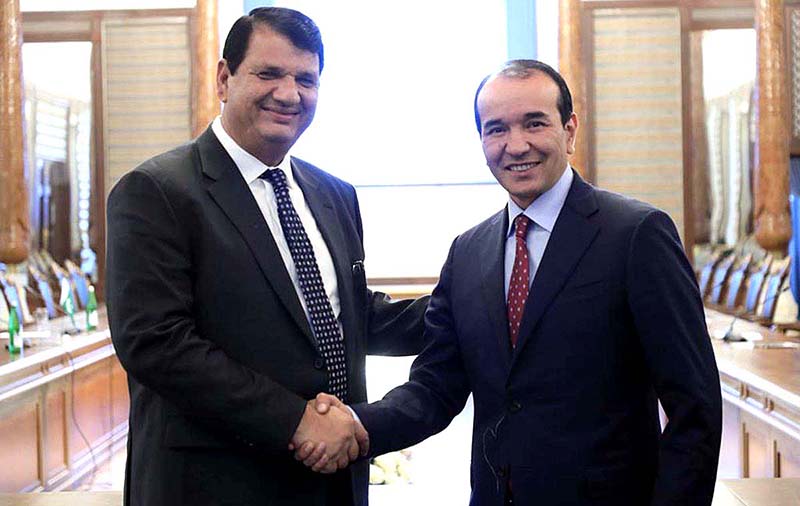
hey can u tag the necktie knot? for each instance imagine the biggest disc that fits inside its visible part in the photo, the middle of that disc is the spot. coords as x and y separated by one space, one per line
274 176
521 223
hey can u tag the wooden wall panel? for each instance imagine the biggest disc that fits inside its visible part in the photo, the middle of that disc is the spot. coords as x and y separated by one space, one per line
638 105
19 436
119 394
54 437
730 456
788 457
758 458
92 407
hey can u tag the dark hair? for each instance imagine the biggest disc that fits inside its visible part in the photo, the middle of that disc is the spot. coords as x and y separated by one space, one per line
526 68
292 24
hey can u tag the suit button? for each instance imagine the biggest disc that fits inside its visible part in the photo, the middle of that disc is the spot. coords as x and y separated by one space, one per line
319 363
514 406
501 472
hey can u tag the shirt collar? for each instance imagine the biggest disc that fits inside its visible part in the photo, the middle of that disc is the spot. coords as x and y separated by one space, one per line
249 166
545 209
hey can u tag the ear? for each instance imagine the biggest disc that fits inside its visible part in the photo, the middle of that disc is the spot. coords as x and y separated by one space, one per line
571 127
223 74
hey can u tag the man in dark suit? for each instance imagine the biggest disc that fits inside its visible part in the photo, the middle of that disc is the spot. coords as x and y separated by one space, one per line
236 292
567 315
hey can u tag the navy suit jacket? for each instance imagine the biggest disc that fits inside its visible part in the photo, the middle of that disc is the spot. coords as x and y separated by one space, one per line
219 353
613 322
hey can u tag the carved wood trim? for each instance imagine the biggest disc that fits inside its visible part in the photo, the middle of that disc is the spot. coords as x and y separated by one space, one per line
772 222
206 56
572 68
14 227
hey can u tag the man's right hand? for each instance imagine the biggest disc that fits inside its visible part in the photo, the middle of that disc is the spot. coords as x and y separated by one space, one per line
332 436
313 454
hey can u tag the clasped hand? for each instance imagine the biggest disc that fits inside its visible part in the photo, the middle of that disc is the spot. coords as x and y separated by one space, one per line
328 437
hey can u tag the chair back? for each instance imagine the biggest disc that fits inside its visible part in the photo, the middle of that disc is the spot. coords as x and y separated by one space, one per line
12 295
44 290
79 283
3 311
707 272
773 287
720 278
755 284
736 282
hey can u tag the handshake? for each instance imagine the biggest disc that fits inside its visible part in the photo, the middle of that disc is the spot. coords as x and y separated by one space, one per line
328 437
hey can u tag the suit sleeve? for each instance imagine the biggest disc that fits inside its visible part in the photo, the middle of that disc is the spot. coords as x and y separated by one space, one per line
394 327
670 321
151 307
438 385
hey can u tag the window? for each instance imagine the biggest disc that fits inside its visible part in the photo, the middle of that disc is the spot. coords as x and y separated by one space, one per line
395 118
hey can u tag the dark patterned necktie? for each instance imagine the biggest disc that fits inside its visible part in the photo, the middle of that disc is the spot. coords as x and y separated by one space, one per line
520 275
326 328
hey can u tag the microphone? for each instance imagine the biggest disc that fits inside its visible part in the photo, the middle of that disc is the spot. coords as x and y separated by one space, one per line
734 337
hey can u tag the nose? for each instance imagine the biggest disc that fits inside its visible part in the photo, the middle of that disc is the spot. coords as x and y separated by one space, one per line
286 91
516 144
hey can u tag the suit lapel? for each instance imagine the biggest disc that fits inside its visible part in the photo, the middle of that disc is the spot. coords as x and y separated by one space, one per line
319 201
231 193
492 279
572 234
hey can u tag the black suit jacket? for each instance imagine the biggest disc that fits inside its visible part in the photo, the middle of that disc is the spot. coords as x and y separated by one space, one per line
219 353
613 322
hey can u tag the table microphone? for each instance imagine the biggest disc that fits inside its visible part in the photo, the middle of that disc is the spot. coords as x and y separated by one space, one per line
734 337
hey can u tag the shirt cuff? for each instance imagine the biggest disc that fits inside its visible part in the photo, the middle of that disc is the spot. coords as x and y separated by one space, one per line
355 416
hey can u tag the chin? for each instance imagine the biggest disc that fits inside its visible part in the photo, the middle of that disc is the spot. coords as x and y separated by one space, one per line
273 137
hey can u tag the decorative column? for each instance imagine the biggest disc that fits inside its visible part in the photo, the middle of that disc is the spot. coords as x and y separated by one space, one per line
570 65
701 205
772 221
205 105
13 194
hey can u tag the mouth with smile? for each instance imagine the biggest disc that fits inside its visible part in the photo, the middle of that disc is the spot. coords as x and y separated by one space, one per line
281 114
521 167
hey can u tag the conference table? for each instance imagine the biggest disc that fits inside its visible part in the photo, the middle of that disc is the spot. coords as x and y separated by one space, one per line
760 381
63 406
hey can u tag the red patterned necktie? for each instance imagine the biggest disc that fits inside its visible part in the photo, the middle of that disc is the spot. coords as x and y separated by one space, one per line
520 274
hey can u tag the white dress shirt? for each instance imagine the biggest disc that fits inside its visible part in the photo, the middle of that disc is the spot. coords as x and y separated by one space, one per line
251 168
543 213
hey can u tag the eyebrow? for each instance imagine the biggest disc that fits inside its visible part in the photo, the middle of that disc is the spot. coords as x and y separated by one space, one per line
492 123
528 116
536 115
282 71
268 68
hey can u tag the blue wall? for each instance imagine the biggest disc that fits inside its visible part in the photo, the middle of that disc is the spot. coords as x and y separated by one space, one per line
252 4
521 19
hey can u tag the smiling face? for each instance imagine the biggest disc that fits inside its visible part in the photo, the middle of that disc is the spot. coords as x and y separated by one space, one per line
271 99
525 144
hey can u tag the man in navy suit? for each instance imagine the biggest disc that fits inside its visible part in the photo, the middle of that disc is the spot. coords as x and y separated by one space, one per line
568 315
